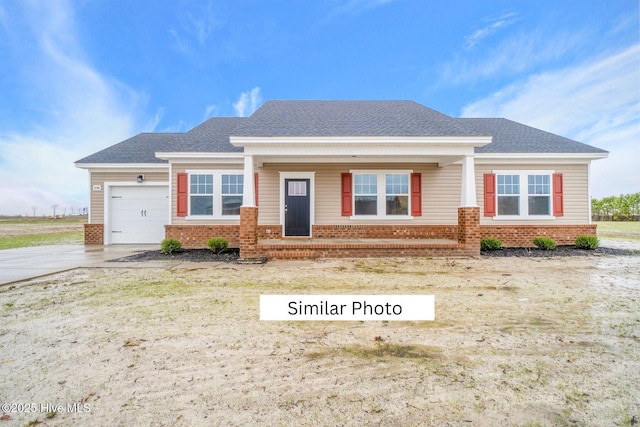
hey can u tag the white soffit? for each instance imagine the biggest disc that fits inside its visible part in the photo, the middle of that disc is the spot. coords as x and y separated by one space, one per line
200 157
523 158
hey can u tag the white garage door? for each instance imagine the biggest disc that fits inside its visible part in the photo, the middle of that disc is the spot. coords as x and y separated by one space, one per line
138 214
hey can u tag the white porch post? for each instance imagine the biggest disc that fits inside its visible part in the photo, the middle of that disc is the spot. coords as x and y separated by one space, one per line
468 194
249 193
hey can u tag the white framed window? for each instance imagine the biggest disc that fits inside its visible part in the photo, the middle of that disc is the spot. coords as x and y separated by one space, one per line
381 194
201 194
232 188
215 194
524 195
365 194
397 194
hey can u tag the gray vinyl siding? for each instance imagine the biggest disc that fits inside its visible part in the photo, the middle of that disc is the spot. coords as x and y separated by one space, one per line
575 186
96 198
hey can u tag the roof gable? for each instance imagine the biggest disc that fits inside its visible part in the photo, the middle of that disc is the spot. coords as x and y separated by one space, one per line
349 118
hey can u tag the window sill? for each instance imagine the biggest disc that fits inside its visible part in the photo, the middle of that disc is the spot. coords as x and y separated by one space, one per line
211 217
380 218
524 218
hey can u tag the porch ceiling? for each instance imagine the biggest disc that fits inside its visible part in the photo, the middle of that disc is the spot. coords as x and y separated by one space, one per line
441 161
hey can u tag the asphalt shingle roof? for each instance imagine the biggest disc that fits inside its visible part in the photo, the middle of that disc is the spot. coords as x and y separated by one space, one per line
138 149
349 118
338 118
514 137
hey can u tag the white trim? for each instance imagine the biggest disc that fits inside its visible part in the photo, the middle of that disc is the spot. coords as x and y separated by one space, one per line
249 191
90 192
171 195
198 157
524 202
217 194
122 167
382 193
529 158
387 151
589 193
468 190
311 176
246 141
106 238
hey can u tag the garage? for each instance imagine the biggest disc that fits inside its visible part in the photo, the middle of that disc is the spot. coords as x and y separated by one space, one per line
138 214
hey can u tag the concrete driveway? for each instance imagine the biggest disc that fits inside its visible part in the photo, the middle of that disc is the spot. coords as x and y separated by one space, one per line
27 263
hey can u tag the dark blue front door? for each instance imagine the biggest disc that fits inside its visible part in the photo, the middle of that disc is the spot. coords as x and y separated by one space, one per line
297 207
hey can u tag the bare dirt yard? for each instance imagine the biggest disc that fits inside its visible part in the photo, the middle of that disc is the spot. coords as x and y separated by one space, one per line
28 226
516 342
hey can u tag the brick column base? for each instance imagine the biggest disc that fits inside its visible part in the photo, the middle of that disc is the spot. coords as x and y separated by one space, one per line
249 232
94 234
469 229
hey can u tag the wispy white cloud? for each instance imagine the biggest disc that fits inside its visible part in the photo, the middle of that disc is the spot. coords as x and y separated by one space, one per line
493 25
248 102
515 54
195 29
596 102
210 111
81 111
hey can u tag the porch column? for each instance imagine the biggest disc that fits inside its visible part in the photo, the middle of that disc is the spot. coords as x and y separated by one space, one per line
249 193
248 214
469 213
468 194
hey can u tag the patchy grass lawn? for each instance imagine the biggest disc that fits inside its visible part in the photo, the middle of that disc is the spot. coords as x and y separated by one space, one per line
628 230
24 232
537 342
70 238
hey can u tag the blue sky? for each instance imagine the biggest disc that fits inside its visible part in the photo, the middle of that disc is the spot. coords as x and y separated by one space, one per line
78 76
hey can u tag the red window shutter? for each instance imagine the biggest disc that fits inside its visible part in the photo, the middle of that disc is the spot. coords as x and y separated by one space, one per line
416 194
182 194
347 190
255 186
489 194
558 195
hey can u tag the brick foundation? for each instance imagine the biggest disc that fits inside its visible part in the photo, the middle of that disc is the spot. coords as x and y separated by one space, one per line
521 236
362 250
275 231
196 236
467 235
94 234
385 231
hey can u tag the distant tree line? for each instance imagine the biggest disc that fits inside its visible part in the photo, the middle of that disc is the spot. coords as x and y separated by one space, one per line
625 207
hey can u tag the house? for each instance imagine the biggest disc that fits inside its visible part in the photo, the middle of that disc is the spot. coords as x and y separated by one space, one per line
342 178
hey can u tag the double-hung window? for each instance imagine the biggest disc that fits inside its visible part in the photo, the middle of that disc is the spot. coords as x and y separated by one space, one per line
397 194
523 194
508 194
381 194
215 194
232 186
201 194
539 194
365 194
